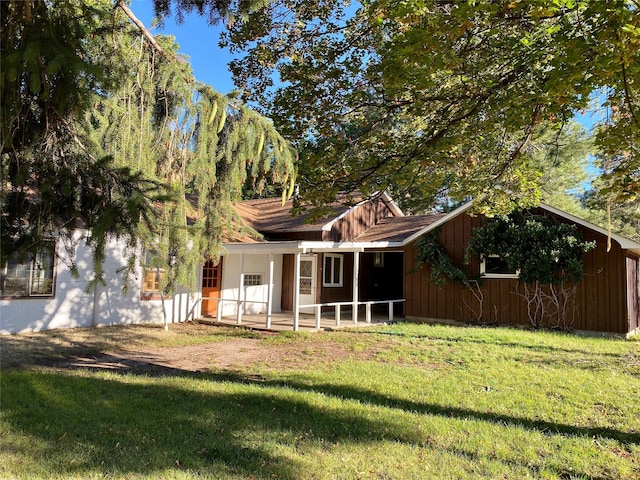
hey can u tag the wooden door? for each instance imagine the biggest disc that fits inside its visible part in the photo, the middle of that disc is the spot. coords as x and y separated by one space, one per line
211 280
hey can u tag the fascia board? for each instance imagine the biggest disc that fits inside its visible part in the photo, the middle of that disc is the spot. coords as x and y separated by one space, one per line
451 215
625 243
309 246
263 247
386 198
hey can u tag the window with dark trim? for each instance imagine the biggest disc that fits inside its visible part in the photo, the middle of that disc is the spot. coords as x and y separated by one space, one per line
33 276
333 270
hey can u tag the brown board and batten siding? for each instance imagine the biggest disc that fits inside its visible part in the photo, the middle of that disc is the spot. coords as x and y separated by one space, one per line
606 299
633 288
323 294
358 220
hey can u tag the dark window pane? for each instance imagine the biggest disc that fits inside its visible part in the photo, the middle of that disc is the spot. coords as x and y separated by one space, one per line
336 270
497 266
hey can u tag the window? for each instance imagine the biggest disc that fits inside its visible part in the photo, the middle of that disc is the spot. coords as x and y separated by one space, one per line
153 275
252 279
378 259
333 266
495 266
30 277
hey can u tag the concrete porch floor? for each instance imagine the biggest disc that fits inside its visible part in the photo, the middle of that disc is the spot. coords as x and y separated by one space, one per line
307 322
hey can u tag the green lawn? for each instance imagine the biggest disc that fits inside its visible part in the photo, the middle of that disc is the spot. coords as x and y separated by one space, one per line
402 401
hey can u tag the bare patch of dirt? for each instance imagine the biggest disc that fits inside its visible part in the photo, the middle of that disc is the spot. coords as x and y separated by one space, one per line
136 350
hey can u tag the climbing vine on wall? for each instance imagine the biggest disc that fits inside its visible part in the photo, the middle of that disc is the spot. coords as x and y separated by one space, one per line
549 256
441 266
542 249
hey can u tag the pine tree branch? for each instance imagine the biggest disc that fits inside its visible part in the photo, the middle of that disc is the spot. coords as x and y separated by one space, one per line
152 41
144 31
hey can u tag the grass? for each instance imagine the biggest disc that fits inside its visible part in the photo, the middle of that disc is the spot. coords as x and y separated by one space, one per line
402 401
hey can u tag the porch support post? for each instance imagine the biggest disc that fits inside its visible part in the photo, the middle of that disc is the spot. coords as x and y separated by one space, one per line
240 291
296 292
270 290
356 275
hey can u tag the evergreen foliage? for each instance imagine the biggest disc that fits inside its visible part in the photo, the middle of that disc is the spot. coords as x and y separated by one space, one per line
103 129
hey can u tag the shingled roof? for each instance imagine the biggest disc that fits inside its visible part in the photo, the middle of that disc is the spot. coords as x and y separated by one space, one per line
397 229
269 215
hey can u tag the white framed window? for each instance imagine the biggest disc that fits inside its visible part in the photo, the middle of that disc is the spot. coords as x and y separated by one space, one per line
333 271
252 279
33 276
495 266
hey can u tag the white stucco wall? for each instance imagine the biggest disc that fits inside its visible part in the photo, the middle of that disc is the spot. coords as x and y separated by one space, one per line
73 307
253 264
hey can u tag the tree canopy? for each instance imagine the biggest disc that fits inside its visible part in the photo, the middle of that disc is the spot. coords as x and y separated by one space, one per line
431 98
105 127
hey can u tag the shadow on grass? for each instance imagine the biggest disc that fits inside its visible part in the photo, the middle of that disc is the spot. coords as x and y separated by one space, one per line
230 425
52 346
373 398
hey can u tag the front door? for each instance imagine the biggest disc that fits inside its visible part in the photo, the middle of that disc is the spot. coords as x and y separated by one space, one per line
307 286
211 279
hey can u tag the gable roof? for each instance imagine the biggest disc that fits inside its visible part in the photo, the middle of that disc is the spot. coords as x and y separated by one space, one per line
269 215
625 243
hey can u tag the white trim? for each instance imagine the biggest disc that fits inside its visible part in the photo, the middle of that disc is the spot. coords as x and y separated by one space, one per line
333 256
260 276
262 247
390 202
437 223
625 243
296 292
483 267
319 246
306 246
386 199
356 285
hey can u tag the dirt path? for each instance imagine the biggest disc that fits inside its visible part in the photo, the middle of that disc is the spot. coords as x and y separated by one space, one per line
231 354
136 349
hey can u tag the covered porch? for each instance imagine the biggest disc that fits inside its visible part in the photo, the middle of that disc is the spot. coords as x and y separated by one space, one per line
301 284
283 321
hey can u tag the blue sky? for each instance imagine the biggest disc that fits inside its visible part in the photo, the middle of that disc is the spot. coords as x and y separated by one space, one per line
198 41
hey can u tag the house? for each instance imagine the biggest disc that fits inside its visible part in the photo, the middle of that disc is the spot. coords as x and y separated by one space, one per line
42 294
358 259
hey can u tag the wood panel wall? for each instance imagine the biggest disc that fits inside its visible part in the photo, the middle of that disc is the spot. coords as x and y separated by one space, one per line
358 221
633 289
337 294
286 299
601 301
